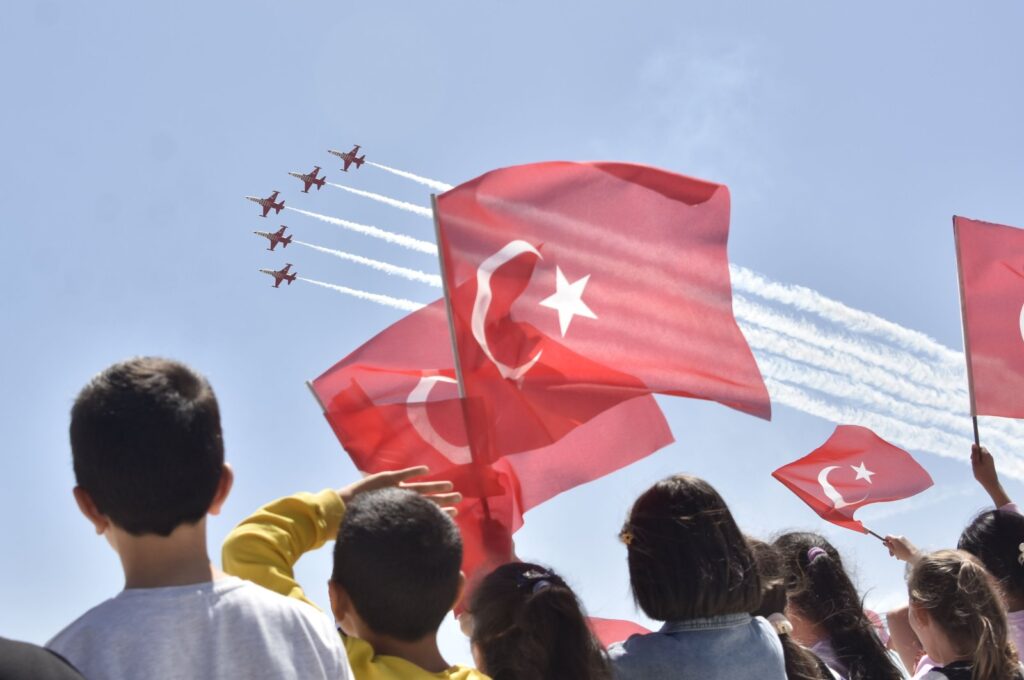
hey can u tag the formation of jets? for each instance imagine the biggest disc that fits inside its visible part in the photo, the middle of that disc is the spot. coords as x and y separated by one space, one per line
275 238
281 275
349 157
310 179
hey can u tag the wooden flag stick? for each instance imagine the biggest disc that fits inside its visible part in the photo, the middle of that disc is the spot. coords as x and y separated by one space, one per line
880 538
963 325
455 344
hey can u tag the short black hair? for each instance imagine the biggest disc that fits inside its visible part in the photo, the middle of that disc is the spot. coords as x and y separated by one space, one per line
398 557
995 537
146 444
687 558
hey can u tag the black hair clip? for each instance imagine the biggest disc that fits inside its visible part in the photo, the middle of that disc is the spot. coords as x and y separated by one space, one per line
534 579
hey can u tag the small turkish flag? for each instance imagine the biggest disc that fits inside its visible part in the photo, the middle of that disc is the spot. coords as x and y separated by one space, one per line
991 263
610 631
591 276
854 468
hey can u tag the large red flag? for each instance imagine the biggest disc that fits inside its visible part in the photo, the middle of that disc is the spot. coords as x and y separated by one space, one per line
561 271
991 263
393 403
854 468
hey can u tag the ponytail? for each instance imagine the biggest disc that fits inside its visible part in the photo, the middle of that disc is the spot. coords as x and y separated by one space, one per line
819 588
962 599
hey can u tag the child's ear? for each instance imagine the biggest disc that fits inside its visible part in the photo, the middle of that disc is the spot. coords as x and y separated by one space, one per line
461 591
88 508
919 617
341 605
227 480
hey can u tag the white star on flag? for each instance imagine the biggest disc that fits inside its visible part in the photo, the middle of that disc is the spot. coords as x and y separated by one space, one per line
568 300
862 472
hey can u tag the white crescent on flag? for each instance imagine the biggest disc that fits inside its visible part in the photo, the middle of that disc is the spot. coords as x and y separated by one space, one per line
482 304
416 407
830 491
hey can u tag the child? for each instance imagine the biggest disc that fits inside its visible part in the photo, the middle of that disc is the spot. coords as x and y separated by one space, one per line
801 663
149 463
525 623
827 613
690 567
956 613
396 568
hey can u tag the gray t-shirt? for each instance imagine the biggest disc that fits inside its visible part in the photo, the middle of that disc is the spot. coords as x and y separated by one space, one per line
224 629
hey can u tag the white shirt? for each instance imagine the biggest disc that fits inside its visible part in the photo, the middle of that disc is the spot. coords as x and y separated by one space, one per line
224 629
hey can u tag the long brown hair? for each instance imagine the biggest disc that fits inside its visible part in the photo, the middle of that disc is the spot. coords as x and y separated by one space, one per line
529 625
962 599
819 588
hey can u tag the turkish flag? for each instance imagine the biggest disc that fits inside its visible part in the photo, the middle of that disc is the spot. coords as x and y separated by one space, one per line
991 263
594 277
854 468
393 403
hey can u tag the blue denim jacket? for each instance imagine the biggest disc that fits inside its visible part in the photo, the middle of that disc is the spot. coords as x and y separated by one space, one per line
730 647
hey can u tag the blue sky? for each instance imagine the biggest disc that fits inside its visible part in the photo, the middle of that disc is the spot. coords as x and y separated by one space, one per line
131 131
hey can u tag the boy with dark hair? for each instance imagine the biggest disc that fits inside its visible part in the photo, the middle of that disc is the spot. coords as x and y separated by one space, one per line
149 464
396 567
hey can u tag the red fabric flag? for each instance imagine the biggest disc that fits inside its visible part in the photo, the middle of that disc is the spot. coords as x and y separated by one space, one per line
610 631
854 468
561 271
393 403
991 263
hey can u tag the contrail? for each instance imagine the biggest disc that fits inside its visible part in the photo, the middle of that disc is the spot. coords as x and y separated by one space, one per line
832 310
391 237
432 183
392 269
386 300
393 202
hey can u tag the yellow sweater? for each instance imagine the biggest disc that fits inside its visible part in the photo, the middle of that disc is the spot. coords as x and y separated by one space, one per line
264 549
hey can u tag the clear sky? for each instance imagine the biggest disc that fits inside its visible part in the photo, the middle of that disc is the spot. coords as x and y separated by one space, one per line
131 131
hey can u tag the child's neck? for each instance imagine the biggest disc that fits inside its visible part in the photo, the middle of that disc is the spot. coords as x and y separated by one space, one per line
152 561
424 652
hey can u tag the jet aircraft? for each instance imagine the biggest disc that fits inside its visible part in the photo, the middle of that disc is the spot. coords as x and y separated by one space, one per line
281 275
275 238
349 157
310 179
268 203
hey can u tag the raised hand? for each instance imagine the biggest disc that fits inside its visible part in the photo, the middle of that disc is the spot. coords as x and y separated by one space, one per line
439 492
984 467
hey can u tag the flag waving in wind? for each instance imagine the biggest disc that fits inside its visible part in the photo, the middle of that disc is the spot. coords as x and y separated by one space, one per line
604 275
854 468
991 263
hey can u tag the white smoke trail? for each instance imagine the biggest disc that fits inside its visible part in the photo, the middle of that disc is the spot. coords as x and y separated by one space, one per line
852 319
388 236
432 183
392 269
386 300
393 202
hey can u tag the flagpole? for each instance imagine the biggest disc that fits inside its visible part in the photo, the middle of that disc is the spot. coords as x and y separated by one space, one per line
455 344
963 325
880 538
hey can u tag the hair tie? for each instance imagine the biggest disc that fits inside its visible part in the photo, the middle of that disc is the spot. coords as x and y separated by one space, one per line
1020 557
780 623
814 553
540 585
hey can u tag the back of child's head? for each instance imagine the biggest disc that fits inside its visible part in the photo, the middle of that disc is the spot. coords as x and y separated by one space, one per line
962 599
146 444
529 625
397 558
687 558
995 537
801 664
821 591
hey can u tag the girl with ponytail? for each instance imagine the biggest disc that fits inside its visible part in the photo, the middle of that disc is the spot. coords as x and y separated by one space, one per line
801 663
525 623
956 612
827 613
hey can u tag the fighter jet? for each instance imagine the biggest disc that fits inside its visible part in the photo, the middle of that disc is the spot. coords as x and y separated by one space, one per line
281 275
275 238
349 157
268 203
310 179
